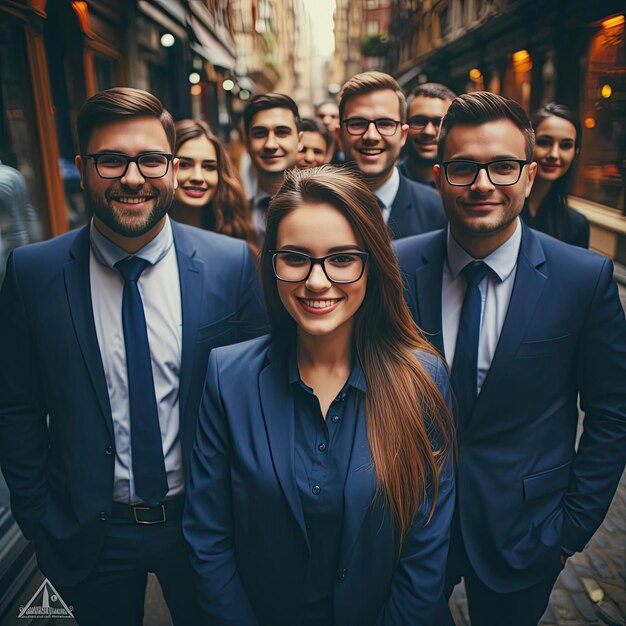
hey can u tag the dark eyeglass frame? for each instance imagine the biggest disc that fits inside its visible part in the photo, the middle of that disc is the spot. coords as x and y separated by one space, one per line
429 120
321 261
485 166
129 159
369 123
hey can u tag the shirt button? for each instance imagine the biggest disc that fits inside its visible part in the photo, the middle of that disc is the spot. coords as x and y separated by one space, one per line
321 447
316 490
102 516
334 419
342 576
108 450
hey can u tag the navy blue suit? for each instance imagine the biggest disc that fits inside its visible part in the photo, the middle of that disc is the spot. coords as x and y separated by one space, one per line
61 476
523 490
416 209
244 517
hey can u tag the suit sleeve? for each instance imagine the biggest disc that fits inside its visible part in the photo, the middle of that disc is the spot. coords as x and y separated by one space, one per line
252 318
417 584
208 519
23 428
601 377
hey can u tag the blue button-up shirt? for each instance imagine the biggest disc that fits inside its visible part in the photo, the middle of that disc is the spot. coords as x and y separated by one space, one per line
323 446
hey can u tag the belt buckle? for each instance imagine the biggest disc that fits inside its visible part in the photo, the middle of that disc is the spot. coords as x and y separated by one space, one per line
148 521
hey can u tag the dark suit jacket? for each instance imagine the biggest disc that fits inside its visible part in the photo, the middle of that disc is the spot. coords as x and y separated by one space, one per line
523 490
244 518
61 476
416 209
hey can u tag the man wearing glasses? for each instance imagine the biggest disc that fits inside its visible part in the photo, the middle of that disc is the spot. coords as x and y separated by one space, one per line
527 325
372 132
426 105
105 335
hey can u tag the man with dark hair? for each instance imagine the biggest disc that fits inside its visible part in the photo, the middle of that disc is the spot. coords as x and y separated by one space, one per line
372 132
273 136
527 324
427 105
327 114
105 335
316 147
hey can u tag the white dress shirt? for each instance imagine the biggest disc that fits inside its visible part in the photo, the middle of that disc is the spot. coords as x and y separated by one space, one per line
387 192
159 287
495 292
259 215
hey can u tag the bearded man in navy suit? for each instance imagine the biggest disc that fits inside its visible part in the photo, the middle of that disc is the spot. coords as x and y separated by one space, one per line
528 325
372 131
105 335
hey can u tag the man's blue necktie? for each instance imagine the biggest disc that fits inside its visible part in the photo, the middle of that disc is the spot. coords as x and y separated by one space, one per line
464 378
145 433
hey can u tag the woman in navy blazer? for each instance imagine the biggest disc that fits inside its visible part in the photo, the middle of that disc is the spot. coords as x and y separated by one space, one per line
321 487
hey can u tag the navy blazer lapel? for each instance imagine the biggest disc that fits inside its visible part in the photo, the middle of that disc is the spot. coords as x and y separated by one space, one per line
277 405
360 485
78 288
191 277
398 217
428 278
530 280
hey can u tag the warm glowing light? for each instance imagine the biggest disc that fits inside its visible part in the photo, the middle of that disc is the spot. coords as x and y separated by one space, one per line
82 13
475 74
521 56
196 90
194 78
590 122
606 91
244 94
167 40
228 85
612 22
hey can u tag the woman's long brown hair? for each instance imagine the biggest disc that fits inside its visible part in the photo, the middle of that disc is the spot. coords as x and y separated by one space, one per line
409 427
230 206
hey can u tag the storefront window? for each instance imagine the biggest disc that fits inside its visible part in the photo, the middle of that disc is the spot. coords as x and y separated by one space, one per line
602 174
20 175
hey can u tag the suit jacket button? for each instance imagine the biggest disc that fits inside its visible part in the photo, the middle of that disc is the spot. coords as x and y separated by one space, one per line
342 576
103 516
316 489
108 450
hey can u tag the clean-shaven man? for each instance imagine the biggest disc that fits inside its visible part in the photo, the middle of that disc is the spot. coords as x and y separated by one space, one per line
372 132
273 134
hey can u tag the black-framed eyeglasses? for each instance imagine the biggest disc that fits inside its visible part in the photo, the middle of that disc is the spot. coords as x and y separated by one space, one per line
340 267
419 122
115 164
359 125
501 172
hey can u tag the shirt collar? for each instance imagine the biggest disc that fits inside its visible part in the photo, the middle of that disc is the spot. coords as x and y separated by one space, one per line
501 261
356 378
387 192
108 253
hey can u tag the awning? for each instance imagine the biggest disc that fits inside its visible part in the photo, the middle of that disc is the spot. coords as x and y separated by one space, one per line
209 47
409 75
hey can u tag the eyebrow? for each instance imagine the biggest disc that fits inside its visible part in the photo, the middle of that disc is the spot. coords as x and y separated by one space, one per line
497 157
191 159
268 128
350 247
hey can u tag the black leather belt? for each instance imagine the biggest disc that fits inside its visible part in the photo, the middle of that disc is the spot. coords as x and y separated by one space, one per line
142 514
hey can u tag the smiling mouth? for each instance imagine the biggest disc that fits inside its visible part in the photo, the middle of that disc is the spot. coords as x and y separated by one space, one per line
131 199
319 306
195 191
